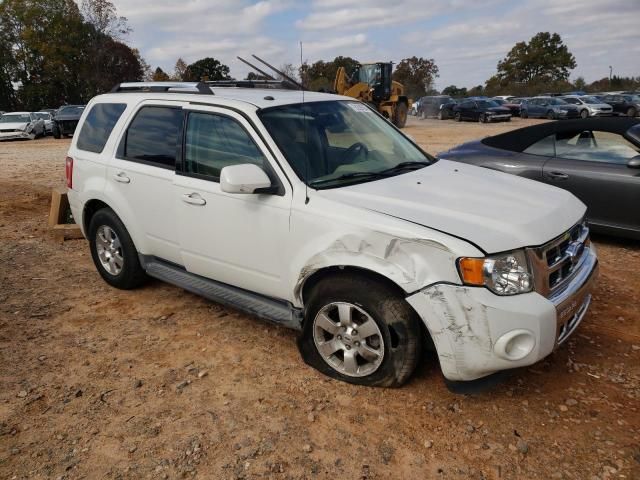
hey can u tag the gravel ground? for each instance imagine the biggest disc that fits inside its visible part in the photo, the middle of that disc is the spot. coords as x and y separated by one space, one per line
158 383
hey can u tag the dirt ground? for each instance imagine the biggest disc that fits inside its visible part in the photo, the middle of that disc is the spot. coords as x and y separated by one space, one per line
158 383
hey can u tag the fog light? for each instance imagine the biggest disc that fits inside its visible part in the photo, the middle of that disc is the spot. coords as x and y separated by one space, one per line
515 345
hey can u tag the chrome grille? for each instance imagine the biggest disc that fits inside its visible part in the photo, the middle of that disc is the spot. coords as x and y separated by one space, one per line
556 262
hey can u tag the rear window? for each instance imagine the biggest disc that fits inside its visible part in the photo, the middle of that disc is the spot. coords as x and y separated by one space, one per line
98 126
153 136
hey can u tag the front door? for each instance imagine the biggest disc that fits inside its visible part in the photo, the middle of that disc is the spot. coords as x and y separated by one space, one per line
237 239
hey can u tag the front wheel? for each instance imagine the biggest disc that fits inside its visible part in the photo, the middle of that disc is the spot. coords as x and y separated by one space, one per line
551 115
360 331
584 113
631 112
457 117
400 115
56 131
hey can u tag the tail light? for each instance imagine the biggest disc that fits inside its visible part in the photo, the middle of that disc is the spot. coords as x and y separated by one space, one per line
68 171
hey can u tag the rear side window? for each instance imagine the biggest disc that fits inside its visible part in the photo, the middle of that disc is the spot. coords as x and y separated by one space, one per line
214 142
98 125
153 137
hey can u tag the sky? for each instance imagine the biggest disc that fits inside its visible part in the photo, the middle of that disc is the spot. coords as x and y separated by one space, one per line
466 38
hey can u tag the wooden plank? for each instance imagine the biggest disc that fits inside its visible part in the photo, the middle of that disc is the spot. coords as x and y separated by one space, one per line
57 216
68 231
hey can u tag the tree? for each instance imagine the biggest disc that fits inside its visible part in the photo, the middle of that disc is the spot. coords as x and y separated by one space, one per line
103 16
454 91
416 74
207 69
544 59
256 76
159 75
580 84
321 75
476 91
180 70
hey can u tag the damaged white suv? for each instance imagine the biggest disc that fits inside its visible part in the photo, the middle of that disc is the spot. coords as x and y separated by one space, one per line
316 213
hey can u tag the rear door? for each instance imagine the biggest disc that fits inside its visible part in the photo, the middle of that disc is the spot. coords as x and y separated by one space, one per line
237 239
141 174
593 166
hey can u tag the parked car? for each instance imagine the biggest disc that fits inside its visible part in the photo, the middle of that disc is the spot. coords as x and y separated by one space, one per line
548 107
514 108
66 120
628 105
503 97
321 216
48 121
596 159
589 106
17 125
446 109
431 106
481 111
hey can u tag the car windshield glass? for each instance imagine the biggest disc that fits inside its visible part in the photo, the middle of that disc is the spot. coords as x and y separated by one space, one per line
70 111
635 98
590 100
369 74
499 101
334 143
42 116
487 104
17 118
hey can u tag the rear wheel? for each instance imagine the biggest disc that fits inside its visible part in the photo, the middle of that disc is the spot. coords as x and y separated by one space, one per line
360 331
524 114
56 131
551 115
113 252
400 115
584 113
457 117
631 112
440 116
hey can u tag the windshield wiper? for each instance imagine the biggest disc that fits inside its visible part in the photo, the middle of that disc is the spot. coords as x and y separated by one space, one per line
350 176
405 166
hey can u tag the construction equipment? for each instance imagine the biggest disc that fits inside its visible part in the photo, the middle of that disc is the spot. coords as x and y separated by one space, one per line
371 83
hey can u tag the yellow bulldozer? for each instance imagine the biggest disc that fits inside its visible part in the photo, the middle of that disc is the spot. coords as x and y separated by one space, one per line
372 83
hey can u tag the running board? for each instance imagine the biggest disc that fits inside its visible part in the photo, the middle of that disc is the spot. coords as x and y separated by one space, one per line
277 311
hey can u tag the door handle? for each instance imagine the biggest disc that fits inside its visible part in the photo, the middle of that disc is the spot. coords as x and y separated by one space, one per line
558 175
121 177
193 199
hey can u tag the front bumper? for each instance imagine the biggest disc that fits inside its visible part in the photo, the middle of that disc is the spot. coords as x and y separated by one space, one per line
15 135
499 118
477 333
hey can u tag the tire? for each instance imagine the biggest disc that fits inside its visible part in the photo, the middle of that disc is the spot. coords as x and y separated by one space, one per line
56 131
482 118
423 115
551 115
400 115
457 117
440 116
524 114
395 334
631 112
130 273
584 113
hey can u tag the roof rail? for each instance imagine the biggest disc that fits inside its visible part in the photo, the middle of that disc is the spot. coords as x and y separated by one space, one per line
252 84
169 87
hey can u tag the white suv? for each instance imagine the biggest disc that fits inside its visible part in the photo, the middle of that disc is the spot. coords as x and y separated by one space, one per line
313 211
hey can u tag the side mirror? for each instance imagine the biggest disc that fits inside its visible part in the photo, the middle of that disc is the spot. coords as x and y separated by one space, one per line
634 162
244 178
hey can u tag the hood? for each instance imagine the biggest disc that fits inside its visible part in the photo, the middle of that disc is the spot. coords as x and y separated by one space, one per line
14 126
493 210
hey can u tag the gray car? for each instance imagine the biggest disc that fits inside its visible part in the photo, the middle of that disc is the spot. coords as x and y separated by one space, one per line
596 159
589 106
552 108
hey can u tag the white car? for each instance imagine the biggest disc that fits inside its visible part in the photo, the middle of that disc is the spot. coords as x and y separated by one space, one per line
589 106
313 211
48 121
16 125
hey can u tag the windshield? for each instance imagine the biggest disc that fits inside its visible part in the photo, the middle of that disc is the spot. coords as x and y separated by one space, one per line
635 98
556 101
42 116
369 74
487 104
590 100
15 118
70 110
335 143
499 101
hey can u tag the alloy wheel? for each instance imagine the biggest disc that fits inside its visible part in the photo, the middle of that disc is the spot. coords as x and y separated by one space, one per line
109 250
348 339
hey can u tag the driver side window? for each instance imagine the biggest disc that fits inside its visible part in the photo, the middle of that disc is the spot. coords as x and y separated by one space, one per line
595 146
213 142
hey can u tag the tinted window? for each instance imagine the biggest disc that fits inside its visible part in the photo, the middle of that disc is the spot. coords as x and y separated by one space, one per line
545 147
595 146
98 125
153 136
214 142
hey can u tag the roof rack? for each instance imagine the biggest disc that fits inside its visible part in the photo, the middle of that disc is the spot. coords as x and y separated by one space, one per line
169 87
252 84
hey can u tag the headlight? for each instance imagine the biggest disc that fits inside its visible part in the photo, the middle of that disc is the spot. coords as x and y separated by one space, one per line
503 274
